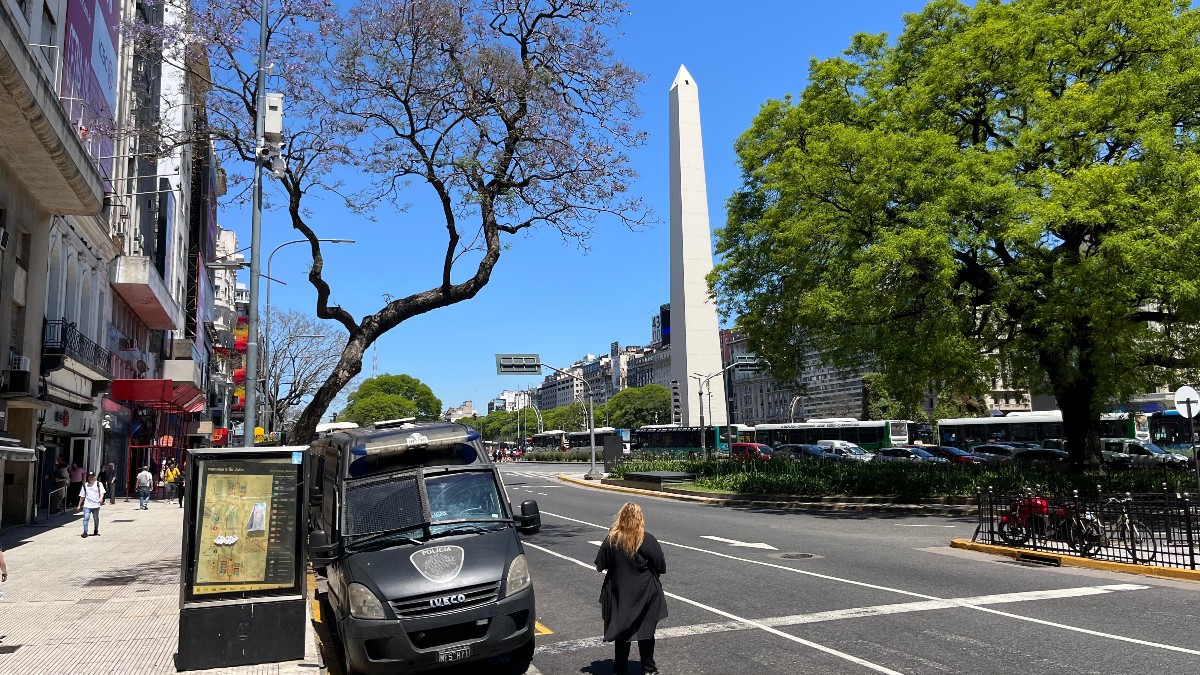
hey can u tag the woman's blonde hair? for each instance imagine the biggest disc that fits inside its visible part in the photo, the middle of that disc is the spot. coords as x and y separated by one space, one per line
628 529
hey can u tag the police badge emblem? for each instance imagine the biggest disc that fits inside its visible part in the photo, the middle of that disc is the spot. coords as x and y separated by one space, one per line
438 564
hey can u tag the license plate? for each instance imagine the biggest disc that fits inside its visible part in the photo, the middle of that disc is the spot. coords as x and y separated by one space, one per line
453 654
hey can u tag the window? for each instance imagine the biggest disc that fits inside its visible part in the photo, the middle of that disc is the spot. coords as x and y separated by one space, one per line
49 30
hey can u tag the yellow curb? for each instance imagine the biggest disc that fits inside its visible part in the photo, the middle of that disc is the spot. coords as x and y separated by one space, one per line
638 491
1143 570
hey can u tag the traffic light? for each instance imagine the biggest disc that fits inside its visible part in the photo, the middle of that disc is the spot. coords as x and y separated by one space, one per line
676 403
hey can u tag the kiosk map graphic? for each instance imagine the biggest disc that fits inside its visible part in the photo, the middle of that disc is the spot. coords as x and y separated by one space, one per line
246 527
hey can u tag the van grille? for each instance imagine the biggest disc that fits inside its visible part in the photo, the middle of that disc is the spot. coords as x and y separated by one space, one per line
418 605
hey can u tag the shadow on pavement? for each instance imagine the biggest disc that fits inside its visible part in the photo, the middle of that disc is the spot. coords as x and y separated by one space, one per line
556 531
156 572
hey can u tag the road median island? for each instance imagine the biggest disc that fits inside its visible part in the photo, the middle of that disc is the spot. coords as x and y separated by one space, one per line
1075 561
942 506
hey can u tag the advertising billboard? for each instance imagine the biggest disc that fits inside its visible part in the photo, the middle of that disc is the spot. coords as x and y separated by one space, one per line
88 90
245 538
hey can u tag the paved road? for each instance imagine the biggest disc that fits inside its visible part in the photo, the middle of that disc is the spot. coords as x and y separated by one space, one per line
878 593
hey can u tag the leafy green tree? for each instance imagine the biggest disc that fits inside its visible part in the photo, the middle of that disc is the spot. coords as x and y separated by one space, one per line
1007 189
638 406
392 397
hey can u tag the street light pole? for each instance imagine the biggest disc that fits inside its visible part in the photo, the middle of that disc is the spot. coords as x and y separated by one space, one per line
591 474
700 402
267 330
248 423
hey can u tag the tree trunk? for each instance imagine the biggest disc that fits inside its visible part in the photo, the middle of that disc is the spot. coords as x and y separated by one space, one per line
349 365
1076 390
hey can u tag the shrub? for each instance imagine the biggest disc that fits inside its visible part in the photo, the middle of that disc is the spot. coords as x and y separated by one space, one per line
895 479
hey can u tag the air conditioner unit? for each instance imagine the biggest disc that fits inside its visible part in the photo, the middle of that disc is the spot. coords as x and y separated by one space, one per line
16 382
18 363
138 244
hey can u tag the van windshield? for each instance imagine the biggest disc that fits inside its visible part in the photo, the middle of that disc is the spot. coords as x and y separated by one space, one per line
388 509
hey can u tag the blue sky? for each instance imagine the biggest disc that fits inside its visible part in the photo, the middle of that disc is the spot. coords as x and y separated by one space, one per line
546 296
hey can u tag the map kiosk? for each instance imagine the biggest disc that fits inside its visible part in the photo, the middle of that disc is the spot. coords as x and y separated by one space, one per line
242 584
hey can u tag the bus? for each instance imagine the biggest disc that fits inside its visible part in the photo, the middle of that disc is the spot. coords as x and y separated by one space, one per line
744 433
582 440
1171 431
1034 427
868 434
554 440
675 442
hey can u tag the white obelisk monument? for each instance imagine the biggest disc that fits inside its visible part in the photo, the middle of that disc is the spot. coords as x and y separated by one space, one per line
695 340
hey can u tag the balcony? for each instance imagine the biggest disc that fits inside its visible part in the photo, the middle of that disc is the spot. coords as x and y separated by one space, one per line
138 282
63 346
187 367
41 143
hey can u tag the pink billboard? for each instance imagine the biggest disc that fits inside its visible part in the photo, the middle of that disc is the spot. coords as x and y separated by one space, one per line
88 90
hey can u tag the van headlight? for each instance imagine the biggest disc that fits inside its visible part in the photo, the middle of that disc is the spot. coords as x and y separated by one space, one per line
364 604
518 576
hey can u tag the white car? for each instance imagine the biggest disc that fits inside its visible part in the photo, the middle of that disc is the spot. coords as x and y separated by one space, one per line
847 450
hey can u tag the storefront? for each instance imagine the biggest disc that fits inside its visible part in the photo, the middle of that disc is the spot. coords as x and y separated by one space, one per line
159 410
17 471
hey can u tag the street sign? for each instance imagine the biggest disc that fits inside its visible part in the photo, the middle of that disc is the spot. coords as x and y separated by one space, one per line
518 364
747 363
1187 401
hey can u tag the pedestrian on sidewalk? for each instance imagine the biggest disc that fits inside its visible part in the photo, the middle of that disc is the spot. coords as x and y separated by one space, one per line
62 479
145 484
181 483
108 478
3 571
91 496
172 476
631 599
76 474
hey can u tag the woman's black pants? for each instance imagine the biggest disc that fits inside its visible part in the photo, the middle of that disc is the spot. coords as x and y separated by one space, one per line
645 650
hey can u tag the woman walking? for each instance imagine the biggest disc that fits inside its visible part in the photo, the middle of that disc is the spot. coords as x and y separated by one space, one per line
631 599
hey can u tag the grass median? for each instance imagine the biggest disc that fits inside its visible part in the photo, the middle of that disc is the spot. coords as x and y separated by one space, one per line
901 480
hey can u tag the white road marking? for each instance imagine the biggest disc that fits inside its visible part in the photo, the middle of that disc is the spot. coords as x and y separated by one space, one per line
851 613
755 624
743 544
903 525
794 570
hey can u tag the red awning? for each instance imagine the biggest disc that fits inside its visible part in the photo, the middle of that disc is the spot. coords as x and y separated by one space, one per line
162 395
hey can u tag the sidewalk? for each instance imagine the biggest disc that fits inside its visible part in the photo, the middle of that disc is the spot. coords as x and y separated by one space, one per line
107 604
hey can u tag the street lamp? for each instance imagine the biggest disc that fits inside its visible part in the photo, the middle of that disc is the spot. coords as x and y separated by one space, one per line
702 381
792 409
267 330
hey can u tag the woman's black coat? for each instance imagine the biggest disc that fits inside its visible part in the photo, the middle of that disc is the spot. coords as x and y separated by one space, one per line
631 599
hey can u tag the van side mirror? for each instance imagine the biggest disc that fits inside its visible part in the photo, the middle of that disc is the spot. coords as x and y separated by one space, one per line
320 551
530 520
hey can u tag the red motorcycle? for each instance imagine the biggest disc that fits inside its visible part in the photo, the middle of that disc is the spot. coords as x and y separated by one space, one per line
1031 516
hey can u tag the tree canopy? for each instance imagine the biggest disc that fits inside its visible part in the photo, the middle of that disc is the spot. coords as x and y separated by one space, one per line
389 397
1010 189
638 406
509 117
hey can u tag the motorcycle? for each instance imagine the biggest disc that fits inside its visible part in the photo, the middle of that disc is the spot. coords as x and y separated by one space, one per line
1032 517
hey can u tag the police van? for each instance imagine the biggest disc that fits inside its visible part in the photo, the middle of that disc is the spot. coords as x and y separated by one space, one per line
410 524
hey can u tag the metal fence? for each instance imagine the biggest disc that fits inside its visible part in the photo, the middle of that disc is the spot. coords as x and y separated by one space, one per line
1158 529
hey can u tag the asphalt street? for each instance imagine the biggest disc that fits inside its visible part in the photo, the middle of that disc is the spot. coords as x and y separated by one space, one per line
768 591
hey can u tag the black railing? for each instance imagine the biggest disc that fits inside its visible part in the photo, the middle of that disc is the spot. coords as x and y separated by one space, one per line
1158 529
62 337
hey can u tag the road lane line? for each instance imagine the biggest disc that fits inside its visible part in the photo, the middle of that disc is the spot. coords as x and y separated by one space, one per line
749 622
1111 636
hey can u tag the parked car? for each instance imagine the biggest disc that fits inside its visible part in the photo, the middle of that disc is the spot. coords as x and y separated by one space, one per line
801 452
1142 454
1112 458
1022 445
993 453
1044 457
901 454
952 454
746 451
847 450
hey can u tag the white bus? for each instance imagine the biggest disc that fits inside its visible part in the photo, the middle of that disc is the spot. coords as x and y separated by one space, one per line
1034 427
868 435
554 440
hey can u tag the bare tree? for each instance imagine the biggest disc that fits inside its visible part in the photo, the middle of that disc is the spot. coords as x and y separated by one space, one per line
300 354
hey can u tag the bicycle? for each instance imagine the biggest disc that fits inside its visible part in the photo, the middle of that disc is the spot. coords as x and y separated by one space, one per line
1131 534
1031 516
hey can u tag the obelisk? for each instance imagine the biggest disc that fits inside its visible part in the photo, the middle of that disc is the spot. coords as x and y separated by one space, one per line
695 340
